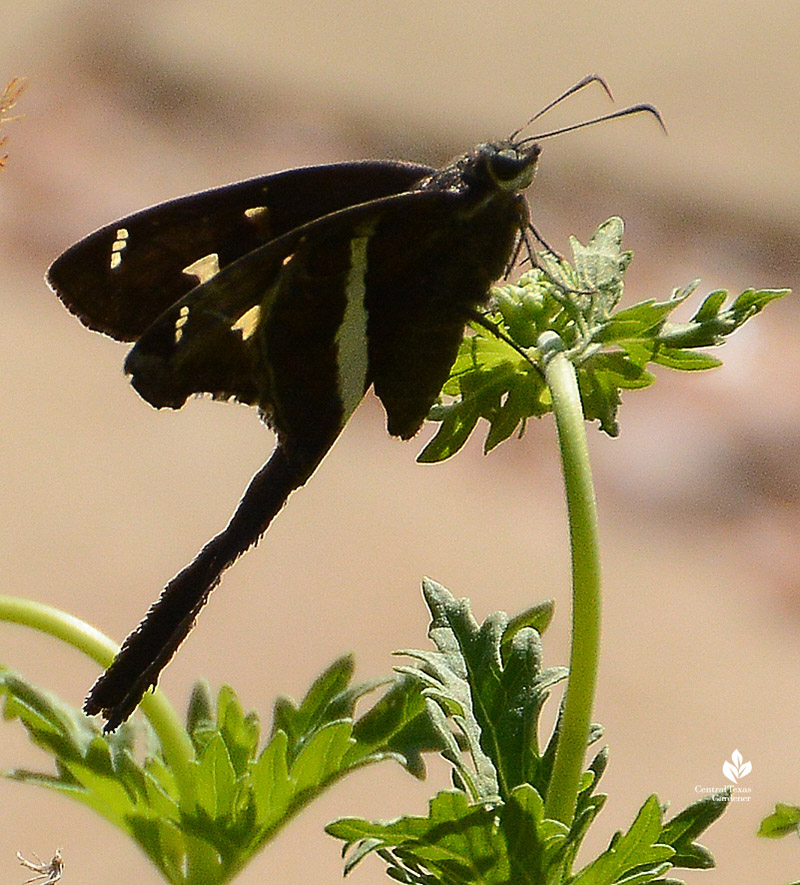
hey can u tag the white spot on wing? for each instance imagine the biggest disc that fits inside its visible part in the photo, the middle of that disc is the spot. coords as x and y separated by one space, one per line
248 322
117 247
204 268
351 338
183 317
258 217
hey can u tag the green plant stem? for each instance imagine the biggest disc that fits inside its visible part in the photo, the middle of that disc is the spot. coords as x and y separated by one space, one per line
582 514
175 744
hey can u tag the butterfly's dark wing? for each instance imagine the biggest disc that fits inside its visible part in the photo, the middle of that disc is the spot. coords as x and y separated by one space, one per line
263 329
121 278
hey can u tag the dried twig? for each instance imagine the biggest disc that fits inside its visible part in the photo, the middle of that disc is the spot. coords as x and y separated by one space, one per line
48 872
8 98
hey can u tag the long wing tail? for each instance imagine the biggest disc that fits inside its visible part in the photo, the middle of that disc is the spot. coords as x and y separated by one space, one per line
147 650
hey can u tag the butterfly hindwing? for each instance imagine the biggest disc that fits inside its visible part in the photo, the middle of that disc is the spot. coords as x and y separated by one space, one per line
421 297
122 277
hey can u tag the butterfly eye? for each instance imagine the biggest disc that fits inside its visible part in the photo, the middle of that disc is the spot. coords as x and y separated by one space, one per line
507 164
512 168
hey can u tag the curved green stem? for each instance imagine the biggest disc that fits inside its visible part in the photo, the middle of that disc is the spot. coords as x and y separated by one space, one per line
582 513
175 744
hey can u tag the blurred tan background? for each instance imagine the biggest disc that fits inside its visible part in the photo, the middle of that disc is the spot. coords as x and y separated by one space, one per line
104 498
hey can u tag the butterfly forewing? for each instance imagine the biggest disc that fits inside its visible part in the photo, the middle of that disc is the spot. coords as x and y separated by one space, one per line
122 277
285 327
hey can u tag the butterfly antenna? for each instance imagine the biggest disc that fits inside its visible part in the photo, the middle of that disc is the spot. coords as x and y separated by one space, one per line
625 112
589 78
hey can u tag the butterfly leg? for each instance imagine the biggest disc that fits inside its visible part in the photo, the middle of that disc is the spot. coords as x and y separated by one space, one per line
548 248
147 650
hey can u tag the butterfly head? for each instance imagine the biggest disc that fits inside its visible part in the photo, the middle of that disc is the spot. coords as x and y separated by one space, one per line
508 166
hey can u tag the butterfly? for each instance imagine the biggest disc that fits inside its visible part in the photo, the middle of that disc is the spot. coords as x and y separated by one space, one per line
296 292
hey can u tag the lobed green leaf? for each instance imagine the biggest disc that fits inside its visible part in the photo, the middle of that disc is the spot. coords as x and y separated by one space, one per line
500 378
241 795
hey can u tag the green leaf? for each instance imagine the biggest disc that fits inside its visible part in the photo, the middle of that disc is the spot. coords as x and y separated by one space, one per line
100 771
642 320
458 422
503 383
490 381
635 857
783 821
601 263
326 699
681 831
600 382
462 843
240 797
214 779
399 724
272 789
537 617
456 839
239 732
589 803
684 360
512 413
711 324
200 714
488 687
322 756
711 306
536 846
755 300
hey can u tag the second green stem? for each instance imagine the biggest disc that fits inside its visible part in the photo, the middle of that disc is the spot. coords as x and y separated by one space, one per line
576 716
